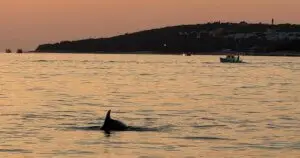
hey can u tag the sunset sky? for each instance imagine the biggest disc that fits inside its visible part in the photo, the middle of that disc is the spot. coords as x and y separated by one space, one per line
28 23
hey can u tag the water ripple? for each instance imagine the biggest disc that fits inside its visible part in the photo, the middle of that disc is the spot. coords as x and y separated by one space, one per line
204 138
20 151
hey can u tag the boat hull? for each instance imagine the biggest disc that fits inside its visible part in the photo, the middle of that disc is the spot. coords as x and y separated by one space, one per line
226 60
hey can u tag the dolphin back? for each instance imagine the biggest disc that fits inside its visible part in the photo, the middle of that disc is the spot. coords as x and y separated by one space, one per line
116 125
113 125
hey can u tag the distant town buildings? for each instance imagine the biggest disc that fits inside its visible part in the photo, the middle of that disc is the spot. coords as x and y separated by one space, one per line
270 34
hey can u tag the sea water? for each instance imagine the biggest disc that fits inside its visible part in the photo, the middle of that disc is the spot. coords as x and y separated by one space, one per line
196 106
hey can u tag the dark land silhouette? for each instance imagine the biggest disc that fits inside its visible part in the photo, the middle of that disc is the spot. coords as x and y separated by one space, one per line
210 38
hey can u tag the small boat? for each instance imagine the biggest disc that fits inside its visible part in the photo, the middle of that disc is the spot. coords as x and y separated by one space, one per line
7 51
19 51
231 59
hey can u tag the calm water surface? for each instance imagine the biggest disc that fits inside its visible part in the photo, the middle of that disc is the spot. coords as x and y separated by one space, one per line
196 106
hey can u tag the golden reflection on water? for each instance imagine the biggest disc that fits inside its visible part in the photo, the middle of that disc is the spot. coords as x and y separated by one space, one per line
201 107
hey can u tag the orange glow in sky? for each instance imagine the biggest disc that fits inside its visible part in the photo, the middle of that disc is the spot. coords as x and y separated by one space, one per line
28 23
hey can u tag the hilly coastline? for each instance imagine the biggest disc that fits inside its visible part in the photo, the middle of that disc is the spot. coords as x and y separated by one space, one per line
209 38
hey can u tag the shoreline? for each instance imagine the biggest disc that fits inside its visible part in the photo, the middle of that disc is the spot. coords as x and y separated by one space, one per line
280 54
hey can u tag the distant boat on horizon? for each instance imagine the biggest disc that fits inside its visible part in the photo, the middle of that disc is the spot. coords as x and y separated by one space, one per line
187 54
7 51
19 51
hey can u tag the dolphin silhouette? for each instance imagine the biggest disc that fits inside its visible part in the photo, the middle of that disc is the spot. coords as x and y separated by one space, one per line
113 125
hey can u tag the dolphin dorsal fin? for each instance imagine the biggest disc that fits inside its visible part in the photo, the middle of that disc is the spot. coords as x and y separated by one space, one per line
108 115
